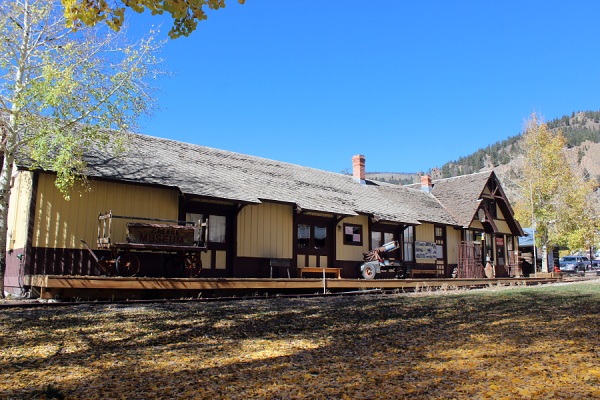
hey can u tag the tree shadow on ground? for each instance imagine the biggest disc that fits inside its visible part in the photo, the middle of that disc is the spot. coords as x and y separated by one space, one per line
384 346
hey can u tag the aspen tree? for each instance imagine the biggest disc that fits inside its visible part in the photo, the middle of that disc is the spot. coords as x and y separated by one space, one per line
553 198
62 91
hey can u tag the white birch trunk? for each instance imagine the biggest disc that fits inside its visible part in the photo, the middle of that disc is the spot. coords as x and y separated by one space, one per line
5 189
9 138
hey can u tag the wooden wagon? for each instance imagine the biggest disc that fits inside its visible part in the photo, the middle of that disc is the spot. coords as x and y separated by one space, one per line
183 240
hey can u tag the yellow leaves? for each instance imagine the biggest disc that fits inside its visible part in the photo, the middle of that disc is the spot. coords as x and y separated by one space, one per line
594 372
186 14
552 193
365 347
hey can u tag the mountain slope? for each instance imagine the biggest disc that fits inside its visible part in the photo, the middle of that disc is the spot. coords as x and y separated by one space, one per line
581 130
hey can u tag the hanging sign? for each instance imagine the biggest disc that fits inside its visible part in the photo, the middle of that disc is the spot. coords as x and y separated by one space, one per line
425 250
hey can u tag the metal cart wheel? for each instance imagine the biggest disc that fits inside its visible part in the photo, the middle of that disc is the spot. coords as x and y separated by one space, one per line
368 272
127 264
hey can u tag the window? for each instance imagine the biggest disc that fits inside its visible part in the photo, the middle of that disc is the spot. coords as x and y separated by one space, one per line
320 237
409 243
217 226
376 240
303 236
197 219
353 234
509 249
469 237
488 247
492 209
388 237
440 241
312 236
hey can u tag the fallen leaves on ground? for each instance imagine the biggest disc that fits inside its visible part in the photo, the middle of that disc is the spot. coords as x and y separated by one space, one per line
520 343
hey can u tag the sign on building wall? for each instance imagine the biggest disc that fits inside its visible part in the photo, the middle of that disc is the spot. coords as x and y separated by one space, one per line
425 250
160 234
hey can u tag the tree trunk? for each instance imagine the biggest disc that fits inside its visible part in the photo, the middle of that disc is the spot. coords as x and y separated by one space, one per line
5 177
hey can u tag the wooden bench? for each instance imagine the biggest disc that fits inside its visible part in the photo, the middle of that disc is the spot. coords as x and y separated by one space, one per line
416 271
336 271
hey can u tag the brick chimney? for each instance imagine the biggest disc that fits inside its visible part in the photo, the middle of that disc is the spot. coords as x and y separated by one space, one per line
426 184
358 168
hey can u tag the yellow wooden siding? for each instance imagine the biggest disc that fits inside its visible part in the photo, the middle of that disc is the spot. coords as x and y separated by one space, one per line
312 261
265 230
424 233
301 260
205 258
61 224
18 211
221 259
502 226
453 237
349 252
476 224
501 221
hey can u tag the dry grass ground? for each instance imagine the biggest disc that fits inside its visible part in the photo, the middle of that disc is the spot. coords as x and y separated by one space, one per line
520 343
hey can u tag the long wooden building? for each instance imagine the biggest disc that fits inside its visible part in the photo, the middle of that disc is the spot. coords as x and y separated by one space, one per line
259 210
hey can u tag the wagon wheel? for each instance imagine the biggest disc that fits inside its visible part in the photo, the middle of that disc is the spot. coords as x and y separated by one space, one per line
193 265
368 272
174 266
128 264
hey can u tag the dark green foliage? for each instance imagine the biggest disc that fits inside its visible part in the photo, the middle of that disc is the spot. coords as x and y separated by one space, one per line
446 171
579 128
580 155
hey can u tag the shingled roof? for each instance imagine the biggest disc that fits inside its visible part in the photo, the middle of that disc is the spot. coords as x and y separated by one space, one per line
461 195
218 174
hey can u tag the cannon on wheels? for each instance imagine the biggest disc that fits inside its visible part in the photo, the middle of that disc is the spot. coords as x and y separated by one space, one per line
377 260
182 240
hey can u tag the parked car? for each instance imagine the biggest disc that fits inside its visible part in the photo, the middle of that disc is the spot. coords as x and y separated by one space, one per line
573 264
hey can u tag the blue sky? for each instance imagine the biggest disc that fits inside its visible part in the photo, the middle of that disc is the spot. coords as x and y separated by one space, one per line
409 84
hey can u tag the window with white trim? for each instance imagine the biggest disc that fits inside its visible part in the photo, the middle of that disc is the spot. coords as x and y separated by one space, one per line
408 239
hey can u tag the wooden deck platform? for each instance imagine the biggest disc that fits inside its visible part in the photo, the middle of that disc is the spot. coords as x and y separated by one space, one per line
99 287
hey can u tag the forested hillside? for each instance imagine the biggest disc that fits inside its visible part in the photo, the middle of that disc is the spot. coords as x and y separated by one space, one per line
577 128
581 130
